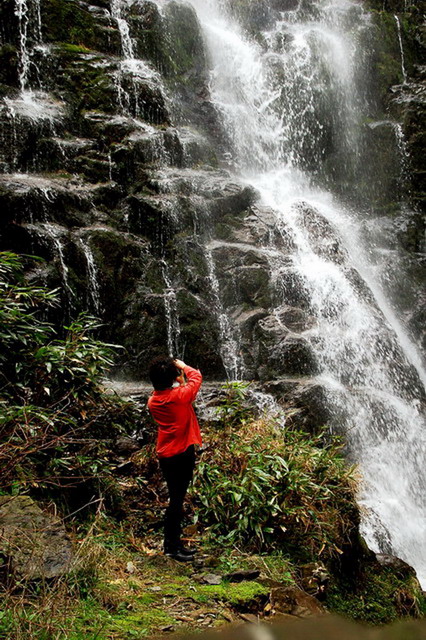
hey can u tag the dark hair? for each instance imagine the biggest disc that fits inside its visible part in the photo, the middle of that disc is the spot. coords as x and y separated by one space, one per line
163 372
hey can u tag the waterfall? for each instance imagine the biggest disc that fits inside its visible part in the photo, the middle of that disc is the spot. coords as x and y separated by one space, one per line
289 105
228 343
23 10
401 48
172 318
54 233
137 70
92 276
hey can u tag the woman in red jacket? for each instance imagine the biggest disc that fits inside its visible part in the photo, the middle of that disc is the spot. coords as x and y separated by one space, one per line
178 431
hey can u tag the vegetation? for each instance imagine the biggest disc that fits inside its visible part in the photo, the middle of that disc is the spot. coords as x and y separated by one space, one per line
105 598
267 498
380 597
55 421
266 488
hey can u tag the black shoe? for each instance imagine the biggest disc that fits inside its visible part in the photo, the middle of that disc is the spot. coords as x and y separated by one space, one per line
180 556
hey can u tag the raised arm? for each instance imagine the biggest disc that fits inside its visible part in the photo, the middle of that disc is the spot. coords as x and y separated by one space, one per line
188 392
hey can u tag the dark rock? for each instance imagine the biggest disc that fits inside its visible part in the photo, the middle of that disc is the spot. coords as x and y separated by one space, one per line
309 398
294 601
232 199
242 574
322 235
398 566
125 446
295 320
34 543
278 353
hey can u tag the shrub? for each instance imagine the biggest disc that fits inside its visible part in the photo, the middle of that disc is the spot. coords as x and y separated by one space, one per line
55 421
266 487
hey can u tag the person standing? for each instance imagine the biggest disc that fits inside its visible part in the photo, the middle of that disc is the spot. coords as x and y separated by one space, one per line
178 432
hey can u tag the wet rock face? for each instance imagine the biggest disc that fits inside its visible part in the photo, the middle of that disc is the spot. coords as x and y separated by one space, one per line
112 170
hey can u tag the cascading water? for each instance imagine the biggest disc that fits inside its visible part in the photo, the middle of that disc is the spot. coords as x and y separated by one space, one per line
54 233
131 66
92 276
401 48
228 344
287 107
32 104
23 10
170 307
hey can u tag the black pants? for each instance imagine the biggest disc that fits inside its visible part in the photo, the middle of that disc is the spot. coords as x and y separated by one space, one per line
177 471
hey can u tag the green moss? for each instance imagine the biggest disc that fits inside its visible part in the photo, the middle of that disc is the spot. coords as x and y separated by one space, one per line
379 597
67 21
235 594
133 620
66 47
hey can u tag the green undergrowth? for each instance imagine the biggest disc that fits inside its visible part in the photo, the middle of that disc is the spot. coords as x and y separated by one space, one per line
265 497
57 425
379 597
266 487
106 598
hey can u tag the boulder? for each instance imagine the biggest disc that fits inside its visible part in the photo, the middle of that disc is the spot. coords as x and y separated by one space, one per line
34 543
125 446
294 601
401 568
314 578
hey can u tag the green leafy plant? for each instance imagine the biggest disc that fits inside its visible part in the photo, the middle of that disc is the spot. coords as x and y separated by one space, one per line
264 487
55 420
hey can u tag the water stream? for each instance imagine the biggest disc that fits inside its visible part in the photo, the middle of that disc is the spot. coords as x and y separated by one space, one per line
92 276
401 48
228 343
171 313
281 103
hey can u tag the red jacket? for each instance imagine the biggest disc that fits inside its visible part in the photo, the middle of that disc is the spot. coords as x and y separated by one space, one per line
174 414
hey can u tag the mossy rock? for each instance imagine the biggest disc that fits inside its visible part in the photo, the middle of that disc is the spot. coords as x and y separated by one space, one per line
172 43
86 84
380 595
68 21
8 65
199 334
387 66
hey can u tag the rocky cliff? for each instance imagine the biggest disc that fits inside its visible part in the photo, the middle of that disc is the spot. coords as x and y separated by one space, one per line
117 169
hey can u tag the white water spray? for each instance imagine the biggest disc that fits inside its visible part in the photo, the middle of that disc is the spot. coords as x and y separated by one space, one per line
228 343
401 48
92 276
172 318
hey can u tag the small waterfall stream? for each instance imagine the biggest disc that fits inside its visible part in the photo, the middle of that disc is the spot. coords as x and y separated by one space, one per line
401 48
54 233
92 276
170 308
24 10
280 104
228 343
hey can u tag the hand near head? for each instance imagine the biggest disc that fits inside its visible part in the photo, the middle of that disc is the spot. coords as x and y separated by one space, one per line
180 364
